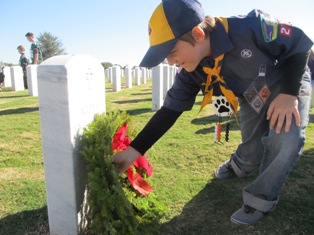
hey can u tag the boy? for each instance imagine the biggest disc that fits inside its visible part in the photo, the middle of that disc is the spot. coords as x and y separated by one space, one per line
243 57
36 53
23 63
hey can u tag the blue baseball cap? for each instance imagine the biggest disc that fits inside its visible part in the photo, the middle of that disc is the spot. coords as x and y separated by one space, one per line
170 20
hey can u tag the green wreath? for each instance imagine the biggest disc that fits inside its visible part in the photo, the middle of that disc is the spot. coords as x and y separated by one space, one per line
112 204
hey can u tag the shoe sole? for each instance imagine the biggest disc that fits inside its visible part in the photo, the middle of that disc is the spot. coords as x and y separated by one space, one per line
238 222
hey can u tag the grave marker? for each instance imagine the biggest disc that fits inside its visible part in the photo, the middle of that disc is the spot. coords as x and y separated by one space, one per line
137 76
71 90
17 81
7 77
166 77
116 78
144 73
31 71
128 77
157 81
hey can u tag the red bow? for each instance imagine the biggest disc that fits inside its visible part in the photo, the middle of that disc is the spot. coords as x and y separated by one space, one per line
119 143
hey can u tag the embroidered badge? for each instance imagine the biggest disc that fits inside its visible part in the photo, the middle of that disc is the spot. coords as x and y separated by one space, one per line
258 92
285 30
246 53
269 28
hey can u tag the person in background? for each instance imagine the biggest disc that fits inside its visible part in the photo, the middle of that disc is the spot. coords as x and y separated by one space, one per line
256 62
36 53
23 62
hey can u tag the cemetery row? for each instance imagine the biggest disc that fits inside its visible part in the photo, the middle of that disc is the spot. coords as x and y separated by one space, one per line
162 75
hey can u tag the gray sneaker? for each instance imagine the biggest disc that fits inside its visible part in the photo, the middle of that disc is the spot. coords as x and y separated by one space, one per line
225 171
247 215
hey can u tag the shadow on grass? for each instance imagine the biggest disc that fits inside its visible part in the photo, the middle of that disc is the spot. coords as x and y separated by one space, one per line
210 121
18 111
210 210
134 112
33 222
142 93
312 118
131 101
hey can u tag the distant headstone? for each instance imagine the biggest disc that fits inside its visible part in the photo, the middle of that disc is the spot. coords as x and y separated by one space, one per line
107 74
71 90
7 78
128 77
32 79
172 72
144 75
137 76
116 78
17 81
166 76
110 74
157 81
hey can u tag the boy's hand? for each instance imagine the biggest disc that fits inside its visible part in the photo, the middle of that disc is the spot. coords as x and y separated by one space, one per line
282 108
123 160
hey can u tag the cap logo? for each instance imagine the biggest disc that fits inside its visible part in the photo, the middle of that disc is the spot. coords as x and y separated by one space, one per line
149 30
160 30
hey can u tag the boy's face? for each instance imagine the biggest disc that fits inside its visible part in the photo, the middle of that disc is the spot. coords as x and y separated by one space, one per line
185 55
21 51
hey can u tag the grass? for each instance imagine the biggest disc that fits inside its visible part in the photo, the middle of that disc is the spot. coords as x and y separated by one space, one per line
184 161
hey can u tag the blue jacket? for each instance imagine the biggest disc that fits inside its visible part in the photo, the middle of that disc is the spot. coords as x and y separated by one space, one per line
253 40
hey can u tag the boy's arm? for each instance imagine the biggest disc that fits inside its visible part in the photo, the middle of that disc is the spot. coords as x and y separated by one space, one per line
158 125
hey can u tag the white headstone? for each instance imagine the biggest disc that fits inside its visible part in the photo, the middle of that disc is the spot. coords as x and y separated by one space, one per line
128 77
110 74
71 90
7 77
107 73
116 78
32 79
157 81
17 81
144 78
172 72
137 76
166 76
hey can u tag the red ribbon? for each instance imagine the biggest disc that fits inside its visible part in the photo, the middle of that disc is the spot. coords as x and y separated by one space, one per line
119 143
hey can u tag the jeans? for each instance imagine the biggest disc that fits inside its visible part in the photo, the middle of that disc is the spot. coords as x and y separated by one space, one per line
274 154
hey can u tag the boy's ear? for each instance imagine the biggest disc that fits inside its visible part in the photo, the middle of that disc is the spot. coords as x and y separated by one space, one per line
198 33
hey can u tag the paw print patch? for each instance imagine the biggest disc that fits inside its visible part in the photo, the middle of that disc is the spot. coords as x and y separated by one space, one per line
222 107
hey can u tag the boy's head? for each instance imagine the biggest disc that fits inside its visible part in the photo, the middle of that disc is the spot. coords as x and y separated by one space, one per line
170 20
30 36
21 49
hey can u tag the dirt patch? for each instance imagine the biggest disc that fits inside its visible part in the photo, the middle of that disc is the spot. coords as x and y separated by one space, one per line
17 173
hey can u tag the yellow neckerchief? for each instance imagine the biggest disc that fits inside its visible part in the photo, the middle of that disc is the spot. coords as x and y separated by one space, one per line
213 76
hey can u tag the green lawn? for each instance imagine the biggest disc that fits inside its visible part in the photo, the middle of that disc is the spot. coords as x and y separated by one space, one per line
184 161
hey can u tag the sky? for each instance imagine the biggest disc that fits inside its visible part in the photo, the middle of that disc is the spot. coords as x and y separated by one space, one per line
116 31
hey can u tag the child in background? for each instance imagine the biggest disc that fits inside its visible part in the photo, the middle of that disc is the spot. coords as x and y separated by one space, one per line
23 63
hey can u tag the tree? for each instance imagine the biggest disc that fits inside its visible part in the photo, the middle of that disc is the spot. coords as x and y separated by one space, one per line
106 64
50 45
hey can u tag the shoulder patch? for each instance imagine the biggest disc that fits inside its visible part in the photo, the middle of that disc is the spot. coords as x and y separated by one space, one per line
269 27
285 29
